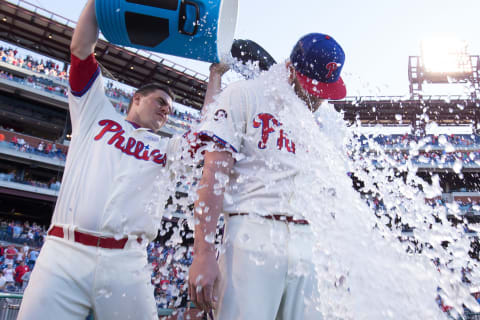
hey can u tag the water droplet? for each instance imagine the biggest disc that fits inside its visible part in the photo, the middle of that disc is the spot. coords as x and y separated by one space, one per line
210 238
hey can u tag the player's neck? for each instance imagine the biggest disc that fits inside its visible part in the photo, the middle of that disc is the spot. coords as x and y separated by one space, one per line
134 120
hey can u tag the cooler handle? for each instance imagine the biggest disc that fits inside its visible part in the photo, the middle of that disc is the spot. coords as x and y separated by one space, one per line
183 17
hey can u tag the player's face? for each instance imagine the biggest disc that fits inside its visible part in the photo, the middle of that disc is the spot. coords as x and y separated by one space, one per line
312 102
153 109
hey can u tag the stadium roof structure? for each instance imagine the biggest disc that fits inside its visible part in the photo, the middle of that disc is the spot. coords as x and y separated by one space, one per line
396 111
26 25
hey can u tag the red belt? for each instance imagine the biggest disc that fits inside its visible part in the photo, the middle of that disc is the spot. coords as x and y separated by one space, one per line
90 240
278 217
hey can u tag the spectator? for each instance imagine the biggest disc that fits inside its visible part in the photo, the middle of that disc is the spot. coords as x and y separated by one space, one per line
9 274
41 147
15 140
30 235
48 148
20 142
10 255
20 271
26 248
32 258
20 256
17 230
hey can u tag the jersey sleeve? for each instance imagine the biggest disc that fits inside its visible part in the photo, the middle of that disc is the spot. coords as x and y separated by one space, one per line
86 95
225 121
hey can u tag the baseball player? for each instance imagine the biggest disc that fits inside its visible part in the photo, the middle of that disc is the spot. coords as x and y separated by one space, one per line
109 205
265 269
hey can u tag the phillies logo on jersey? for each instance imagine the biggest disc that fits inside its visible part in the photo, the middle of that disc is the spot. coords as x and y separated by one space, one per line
331 67
220 114
268 124
131 147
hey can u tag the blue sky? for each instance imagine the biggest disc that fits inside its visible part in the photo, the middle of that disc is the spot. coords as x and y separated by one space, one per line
377 35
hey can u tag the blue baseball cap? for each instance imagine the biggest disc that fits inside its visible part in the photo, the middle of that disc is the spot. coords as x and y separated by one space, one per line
318 60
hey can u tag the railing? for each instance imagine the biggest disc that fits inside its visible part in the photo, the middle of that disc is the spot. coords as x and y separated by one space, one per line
56 159
10 305
32 73
25 186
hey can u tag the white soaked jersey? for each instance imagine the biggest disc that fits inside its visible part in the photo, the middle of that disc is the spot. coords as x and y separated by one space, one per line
112 171
247 118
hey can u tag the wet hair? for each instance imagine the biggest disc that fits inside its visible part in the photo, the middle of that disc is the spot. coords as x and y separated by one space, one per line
149 88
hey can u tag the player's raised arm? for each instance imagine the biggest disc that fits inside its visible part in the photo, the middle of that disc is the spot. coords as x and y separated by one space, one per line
85 35
214 87
87 96
204 272
217 70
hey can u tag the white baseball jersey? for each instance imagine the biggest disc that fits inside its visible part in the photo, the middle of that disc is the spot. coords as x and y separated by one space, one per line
109 184
246 118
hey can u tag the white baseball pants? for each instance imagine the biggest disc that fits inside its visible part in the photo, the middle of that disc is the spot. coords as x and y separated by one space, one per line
70 279
267 271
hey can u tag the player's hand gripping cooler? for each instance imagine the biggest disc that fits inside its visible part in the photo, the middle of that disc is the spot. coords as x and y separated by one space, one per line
196 29
248 50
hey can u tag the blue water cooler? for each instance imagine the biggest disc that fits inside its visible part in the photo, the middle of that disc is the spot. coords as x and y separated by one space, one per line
196 29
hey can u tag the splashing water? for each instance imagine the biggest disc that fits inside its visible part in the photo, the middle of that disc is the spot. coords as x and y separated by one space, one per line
383 281
364 271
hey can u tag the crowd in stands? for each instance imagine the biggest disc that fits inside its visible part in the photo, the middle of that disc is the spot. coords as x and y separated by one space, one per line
52 70
18 232
37 83
44 148
433 141
433 151
437 157
470 206
46 67
117 93
19 249
169 270
53 184
185 116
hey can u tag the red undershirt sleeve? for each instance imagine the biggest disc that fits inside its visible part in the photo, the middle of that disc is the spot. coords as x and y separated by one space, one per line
82 74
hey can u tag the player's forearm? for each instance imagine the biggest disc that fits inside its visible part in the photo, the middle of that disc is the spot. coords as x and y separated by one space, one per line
213 87
210 199
207 210
214 82
85 35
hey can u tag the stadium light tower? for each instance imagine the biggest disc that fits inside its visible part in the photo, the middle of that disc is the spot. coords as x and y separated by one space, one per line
443 60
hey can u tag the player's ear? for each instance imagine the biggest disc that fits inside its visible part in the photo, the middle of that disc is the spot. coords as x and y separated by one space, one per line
291 71
136 99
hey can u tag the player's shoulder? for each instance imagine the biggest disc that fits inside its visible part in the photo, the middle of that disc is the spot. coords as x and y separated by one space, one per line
242 89
240 86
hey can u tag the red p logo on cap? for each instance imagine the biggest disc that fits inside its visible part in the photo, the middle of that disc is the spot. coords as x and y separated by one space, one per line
331 67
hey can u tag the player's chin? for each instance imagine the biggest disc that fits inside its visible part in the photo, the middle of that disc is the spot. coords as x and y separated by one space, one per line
159 124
